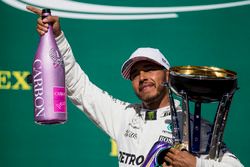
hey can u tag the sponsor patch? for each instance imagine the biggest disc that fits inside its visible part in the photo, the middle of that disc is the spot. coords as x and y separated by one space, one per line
130 134
166 139
169 128
151 115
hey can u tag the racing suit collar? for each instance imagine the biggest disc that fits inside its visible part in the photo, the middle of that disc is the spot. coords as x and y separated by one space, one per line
157 113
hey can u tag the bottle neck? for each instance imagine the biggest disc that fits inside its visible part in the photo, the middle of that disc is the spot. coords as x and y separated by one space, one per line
45 15
49 34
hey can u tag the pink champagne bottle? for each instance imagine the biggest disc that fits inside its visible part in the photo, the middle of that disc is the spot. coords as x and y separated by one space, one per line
48 77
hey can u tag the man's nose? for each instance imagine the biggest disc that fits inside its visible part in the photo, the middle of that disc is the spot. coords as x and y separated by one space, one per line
142 75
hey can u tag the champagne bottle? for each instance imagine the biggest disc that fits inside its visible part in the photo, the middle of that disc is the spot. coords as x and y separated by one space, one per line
48 78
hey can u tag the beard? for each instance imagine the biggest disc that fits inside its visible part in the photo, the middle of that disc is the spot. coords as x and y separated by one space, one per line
154 96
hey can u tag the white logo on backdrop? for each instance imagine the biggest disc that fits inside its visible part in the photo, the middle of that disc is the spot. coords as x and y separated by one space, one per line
81 10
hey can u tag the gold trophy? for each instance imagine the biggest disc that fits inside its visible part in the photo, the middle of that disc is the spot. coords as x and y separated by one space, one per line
200 84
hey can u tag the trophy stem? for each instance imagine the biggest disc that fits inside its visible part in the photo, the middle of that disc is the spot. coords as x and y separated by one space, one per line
196 128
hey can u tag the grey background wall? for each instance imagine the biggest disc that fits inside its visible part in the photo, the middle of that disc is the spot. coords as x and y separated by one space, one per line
219 37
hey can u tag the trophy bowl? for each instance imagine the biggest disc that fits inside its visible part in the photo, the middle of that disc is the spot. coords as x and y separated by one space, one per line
202 83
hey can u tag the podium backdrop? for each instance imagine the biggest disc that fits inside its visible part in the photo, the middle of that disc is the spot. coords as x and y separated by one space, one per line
102 35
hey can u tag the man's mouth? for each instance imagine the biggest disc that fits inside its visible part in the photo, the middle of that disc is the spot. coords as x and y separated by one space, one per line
146 86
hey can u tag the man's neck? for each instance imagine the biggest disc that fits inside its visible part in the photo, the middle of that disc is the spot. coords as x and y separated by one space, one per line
158 103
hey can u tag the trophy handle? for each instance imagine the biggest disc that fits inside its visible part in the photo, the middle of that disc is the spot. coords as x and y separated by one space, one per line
185 121
178 140
176 129
219 126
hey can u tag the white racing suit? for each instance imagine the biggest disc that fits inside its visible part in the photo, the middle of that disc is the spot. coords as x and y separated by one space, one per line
126 123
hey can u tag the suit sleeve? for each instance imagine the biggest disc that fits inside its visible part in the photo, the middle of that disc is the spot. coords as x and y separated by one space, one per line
227 160
104 110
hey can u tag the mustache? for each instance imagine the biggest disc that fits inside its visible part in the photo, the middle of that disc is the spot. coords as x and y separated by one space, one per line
165 83
143 84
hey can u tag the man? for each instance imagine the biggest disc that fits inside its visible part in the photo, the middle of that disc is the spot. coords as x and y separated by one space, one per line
135 127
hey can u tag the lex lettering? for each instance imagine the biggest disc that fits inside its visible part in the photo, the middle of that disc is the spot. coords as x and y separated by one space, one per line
14 80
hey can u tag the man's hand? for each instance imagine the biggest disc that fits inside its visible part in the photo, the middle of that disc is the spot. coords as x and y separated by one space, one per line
178 158
42 25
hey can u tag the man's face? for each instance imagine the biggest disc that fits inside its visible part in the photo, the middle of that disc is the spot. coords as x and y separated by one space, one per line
147 79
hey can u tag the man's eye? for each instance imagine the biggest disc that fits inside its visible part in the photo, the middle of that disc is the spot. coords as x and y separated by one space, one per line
133 75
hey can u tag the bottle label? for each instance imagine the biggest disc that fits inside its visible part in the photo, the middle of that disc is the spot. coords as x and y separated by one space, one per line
39 101
56 57
59 99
